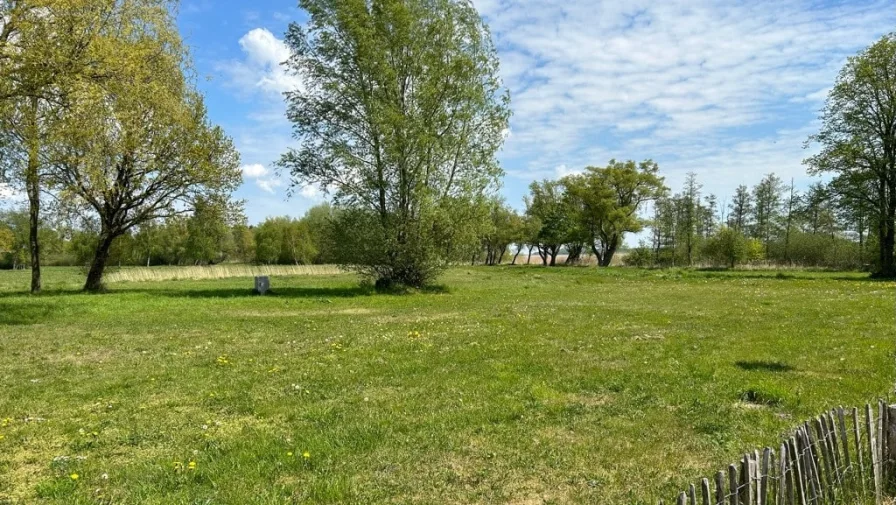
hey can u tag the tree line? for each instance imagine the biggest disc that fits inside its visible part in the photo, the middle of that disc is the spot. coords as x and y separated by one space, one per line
399 118
208 236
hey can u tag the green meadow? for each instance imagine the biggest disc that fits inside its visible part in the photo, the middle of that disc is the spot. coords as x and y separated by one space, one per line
503 385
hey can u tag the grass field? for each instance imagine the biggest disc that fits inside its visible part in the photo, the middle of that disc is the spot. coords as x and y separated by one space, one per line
509 385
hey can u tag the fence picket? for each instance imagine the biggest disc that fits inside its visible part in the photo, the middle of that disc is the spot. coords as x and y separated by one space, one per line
704 491
764 469
857 435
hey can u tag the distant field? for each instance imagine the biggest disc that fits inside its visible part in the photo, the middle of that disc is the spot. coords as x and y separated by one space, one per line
509 385
141 274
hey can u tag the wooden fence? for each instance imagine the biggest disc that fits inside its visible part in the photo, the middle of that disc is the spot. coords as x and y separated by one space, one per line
842 456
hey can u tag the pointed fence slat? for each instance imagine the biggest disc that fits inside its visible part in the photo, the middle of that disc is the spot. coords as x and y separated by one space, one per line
834 458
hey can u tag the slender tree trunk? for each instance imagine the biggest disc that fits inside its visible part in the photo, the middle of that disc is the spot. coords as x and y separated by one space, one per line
94 282
554 251
519 249
789 223
529 259
32 182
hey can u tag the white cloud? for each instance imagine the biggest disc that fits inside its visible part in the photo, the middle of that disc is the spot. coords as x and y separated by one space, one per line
261 70
269 185
254 171
702 85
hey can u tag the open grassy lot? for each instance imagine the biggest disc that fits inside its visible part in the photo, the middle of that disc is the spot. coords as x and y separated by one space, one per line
511 385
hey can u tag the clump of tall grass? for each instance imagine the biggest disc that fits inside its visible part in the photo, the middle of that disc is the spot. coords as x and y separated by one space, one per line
142 274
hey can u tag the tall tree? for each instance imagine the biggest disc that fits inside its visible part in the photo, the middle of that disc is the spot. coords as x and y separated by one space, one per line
138 146
690 215
858 139
46 47
400 115
767 196
741 209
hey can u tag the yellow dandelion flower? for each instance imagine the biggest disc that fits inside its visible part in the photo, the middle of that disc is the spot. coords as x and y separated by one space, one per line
306 455
178 466
289 454
192 465
74 476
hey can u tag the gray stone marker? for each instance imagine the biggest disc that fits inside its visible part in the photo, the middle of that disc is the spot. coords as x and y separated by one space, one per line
262 284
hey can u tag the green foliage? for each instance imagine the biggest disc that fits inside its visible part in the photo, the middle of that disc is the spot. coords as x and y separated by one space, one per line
608 199
857 140
727 247
400 116
282 240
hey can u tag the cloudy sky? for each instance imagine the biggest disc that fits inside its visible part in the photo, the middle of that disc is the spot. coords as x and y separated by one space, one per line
727 89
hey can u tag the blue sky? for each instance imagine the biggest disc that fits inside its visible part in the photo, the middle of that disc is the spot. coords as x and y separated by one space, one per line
727 89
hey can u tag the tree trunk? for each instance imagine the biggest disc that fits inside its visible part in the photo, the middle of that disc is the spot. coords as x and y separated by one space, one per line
608 256
94 282
519 249
32 182
554 252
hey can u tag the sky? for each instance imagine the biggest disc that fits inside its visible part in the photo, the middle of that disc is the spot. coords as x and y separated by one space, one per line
728 89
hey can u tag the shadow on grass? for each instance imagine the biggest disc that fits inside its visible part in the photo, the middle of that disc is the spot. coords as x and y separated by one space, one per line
764 366
283 292
23 314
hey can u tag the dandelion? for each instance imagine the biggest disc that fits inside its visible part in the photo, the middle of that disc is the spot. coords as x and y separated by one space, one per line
6 422
306 455
192 465
74 476
178 466
223 360
289 454
104 476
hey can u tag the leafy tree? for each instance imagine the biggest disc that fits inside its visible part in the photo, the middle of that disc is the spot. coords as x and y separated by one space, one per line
858 139
138 147
283 240
689 208
727 247
741 209
243 243
47 49
767 196
547 203
210 236
400 116
501 232
610 199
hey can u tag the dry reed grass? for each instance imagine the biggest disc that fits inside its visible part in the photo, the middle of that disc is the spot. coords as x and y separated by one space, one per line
143 274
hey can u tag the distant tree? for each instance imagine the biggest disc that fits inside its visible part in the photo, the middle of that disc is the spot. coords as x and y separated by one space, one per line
727 247
608 200
546 203
741 209
400 115
689 212
282 240
767 196
858 139
243 242
210 235
501 232
320 220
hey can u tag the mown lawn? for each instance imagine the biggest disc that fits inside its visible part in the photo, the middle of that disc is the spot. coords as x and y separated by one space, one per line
510 385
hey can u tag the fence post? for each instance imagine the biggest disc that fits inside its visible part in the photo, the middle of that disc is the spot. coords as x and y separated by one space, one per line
890 457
